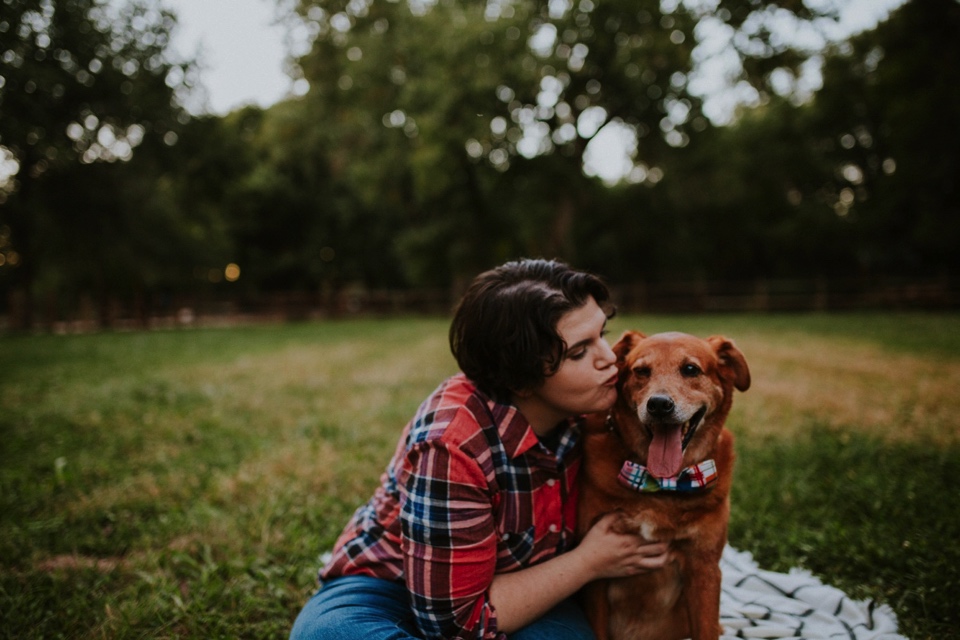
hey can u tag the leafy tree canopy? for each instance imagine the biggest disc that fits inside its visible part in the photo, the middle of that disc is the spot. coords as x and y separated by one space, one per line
82 83
86 80
445 108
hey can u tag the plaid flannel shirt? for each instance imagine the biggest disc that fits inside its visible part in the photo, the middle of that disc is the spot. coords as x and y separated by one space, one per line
470 492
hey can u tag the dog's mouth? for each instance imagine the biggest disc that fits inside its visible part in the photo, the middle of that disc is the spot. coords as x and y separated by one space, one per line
690 427
669 440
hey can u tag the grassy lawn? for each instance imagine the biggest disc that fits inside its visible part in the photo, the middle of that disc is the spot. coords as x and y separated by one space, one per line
184 483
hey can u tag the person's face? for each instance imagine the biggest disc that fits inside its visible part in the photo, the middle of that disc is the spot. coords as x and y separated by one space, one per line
587 377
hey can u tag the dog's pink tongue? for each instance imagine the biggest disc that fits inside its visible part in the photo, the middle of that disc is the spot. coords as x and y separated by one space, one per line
666 451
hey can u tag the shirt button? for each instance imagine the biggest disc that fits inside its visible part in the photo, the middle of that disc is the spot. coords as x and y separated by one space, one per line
554 528
551 482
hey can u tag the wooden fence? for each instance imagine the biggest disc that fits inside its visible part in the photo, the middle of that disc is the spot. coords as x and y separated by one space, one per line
758 296
791 295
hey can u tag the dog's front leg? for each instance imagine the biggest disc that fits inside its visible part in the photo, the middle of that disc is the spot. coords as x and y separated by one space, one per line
702 593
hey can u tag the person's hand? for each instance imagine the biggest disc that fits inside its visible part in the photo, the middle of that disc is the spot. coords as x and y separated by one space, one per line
523 596
609 554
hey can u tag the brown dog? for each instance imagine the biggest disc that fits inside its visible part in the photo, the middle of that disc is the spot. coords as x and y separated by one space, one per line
674 394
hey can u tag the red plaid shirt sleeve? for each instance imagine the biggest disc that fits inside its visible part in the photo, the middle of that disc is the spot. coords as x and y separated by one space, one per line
449 542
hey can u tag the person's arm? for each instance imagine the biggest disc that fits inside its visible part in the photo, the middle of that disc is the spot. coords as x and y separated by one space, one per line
450 547
523 596
449 542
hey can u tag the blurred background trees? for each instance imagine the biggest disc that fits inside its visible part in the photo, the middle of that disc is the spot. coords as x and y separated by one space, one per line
439 138
89 107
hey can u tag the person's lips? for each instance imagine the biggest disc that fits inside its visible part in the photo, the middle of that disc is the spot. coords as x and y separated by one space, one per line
611 381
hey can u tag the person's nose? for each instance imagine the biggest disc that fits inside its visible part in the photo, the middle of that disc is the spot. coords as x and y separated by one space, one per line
607 357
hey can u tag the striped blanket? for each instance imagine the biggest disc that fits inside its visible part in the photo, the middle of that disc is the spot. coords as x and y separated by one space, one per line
762 604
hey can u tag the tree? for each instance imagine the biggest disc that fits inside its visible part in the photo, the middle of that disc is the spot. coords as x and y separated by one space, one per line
83 83
860 181
294 226
475 118
885 119
749 200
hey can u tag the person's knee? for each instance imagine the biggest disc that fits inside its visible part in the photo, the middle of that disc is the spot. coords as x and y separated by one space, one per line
315 623
356 608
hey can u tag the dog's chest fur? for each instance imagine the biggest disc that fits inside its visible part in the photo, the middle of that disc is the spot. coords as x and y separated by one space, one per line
654 604
665 587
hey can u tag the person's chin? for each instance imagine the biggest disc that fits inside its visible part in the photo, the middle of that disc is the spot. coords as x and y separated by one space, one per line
612 395
607 400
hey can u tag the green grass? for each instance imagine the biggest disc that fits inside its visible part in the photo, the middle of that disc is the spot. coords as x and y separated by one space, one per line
184 483
880 522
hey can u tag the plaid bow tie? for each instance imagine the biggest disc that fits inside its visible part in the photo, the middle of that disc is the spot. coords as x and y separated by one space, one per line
635 476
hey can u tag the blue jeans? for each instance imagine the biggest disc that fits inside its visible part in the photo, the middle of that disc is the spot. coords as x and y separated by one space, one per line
365 608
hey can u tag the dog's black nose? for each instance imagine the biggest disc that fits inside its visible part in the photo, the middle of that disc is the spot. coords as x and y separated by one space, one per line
660 405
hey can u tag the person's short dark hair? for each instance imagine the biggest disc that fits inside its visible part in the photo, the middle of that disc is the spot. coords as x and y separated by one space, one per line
504 332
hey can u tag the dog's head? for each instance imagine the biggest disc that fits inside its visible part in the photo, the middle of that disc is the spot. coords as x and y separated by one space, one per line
675 391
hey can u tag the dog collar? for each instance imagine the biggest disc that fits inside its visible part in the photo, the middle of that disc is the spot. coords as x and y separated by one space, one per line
699 476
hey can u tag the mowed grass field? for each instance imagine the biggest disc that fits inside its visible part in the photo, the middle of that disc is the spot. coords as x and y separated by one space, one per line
184 483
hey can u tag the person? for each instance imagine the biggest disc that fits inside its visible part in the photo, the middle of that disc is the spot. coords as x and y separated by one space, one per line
471 531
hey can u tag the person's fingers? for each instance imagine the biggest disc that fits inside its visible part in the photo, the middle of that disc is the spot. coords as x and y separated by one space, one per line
653 562
652 556
654 548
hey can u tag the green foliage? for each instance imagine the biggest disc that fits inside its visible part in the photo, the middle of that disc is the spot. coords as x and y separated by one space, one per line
75 69
880 122
86 86
184 483
473 119
441 138
852 184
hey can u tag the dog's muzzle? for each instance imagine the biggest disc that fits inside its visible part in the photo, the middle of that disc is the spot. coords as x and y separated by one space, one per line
691 426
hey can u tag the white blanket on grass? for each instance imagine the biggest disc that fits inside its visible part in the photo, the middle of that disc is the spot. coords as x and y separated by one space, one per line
762 604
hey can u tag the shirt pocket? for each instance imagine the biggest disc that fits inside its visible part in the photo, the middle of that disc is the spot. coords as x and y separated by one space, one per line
516 529
515 548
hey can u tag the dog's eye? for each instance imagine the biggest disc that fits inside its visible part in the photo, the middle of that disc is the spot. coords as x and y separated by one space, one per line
690 371
643 372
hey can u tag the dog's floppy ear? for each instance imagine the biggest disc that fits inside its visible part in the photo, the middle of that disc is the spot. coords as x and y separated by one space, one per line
733 365
626 343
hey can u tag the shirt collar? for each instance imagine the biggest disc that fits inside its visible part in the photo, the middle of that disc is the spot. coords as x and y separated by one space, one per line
515 431
518 437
